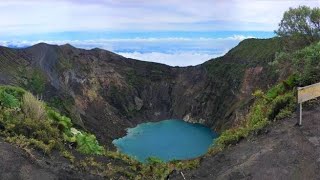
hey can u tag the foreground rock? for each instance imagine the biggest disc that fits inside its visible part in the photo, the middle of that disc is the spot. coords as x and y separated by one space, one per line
285 151
16 164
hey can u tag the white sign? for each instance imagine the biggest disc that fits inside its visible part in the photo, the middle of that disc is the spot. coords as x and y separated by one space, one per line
307 93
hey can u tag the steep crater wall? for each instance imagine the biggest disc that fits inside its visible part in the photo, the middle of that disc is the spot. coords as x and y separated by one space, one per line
107 93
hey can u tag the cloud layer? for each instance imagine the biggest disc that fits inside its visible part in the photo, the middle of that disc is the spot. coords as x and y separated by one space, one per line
174 51
173 59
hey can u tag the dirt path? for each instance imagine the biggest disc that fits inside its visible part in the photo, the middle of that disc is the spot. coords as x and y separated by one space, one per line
285 152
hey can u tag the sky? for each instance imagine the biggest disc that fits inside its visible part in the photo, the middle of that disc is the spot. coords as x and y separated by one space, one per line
173 32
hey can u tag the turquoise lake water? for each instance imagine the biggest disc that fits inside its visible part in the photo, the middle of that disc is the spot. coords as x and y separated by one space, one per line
167 140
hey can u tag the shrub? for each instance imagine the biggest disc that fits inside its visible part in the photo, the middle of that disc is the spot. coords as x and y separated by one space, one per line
63 121
30 123
275 91
8 100
33 108
282 104
14 91
88 144
37 82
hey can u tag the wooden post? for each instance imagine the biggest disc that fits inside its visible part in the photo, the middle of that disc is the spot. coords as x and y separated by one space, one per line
300 114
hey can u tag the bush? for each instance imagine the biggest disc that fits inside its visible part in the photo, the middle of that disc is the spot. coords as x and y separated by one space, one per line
8 100
33 108
88 144
281 106
37 82
63 121
276 91
303 66
31 121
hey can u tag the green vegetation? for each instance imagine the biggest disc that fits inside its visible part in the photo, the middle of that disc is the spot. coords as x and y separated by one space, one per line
62 102
64 64
28 121
88 144
306 64
253 52
32 107
229 73
302 22
277 103
299 67
36 83
7 100
302 68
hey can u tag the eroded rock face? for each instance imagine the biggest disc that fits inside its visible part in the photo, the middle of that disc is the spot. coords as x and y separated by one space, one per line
107 93
189 119
138 103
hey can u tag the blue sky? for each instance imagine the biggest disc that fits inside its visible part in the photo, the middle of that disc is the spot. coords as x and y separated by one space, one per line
174 32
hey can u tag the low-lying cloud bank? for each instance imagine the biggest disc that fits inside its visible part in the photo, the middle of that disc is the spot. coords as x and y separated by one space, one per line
173 59
174 51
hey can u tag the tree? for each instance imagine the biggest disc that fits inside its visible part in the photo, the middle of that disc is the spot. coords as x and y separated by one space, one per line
301 23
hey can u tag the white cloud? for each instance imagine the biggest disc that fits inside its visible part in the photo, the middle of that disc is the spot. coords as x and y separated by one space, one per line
142 44
172 59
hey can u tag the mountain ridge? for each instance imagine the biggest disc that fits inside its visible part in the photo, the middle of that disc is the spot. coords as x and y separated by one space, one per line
106 88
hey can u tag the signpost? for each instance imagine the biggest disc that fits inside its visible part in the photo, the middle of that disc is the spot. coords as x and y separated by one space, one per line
307 93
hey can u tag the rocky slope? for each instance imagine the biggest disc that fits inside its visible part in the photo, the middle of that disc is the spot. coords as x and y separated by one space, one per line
282 151
107 93
18 164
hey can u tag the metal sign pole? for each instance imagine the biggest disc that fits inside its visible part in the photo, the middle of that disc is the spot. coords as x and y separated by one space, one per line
300 119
